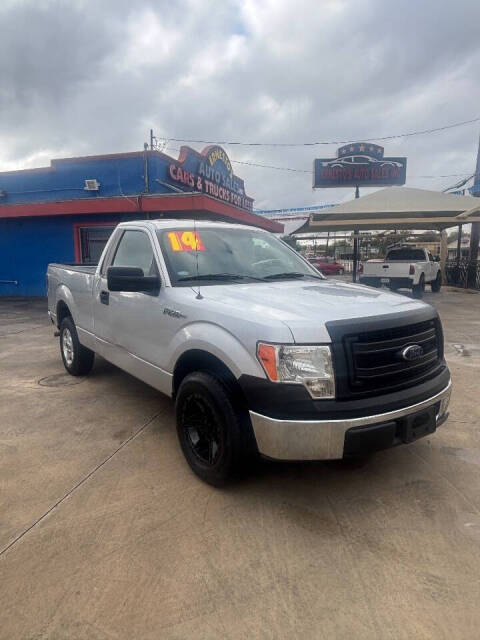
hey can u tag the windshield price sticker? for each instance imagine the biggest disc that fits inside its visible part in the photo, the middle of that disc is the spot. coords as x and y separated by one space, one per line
185 241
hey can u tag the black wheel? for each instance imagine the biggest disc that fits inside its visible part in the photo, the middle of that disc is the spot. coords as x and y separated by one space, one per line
77 359
216 436
437 283
418 289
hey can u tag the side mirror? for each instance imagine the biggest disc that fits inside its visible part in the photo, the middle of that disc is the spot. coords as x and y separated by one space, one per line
131 279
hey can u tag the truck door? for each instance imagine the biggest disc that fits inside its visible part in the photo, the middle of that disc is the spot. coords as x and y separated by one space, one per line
102 327
131 324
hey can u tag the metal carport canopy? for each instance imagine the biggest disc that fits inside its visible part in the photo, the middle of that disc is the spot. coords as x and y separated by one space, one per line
397 208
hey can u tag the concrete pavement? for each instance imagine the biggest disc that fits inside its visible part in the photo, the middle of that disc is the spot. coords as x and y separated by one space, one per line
106 534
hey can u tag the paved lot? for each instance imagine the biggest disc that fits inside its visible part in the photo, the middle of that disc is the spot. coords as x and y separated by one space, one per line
105 533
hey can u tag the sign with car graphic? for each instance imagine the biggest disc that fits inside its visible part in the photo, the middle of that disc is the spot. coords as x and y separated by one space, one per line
359 163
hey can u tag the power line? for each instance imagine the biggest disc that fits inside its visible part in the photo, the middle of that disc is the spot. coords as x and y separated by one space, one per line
326 142
269 166
460 184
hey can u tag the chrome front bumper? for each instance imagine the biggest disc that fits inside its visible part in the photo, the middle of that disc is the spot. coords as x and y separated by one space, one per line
324 439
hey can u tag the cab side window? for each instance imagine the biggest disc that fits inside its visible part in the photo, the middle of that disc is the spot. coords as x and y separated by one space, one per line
135 250
107 259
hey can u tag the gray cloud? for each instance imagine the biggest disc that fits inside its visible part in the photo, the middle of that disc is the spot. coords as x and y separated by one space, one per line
86 77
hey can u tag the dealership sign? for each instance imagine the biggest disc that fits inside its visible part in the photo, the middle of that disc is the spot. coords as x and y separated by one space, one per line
359 163
209 172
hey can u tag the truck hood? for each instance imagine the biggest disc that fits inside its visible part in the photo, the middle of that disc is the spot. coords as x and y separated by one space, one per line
305 306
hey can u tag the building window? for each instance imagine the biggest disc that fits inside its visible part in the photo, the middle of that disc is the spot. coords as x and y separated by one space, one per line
92 242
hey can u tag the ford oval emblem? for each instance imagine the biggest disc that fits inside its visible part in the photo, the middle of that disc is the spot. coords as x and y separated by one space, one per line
413 352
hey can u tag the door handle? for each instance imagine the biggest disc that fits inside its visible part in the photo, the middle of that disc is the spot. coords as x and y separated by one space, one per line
104 297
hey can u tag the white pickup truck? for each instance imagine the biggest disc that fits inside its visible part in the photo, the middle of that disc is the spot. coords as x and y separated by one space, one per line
404 267
260 352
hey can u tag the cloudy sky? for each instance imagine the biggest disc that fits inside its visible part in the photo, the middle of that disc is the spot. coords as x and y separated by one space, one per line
85 77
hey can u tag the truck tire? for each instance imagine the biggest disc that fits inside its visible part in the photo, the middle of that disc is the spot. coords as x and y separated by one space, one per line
437 283
215 436
77 359
418 289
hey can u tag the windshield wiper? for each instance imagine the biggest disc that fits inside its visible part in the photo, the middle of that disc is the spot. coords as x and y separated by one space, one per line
291 274
219 276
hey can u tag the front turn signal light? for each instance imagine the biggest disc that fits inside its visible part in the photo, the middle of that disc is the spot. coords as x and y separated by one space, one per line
268 357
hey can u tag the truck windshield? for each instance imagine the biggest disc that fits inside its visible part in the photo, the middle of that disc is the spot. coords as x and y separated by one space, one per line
405 253
215 255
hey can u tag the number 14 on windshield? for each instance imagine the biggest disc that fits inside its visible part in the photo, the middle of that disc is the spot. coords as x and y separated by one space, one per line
185 241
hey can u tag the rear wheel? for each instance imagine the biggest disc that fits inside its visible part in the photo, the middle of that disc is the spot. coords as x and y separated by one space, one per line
215 435
437 283
77 359
419 289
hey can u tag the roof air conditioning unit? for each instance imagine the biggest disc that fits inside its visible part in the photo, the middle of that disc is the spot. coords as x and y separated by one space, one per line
91 185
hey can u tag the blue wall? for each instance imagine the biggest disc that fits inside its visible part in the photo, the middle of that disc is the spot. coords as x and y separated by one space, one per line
27 245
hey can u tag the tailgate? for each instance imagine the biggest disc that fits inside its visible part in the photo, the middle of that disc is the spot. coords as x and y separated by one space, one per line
387 269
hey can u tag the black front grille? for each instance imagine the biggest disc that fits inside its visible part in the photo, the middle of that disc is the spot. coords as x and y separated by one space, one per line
375 363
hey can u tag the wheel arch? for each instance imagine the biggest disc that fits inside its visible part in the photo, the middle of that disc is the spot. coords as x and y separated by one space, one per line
63 311
201 360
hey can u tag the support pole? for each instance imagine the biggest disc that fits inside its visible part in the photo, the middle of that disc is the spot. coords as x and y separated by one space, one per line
355 255
355 243
145 168
459 245
443 252
474 240
472 266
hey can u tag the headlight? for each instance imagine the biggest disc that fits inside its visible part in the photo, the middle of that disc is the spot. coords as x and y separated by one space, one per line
307 365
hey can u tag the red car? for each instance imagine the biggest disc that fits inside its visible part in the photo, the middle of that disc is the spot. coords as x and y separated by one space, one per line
328 266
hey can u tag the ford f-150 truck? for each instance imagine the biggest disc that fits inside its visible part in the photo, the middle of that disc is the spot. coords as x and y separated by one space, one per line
404 267
260 352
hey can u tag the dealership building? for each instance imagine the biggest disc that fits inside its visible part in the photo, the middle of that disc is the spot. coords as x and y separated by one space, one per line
67 211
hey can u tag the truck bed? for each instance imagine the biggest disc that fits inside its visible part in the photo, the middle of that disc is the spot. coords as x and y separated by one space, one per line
76 278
